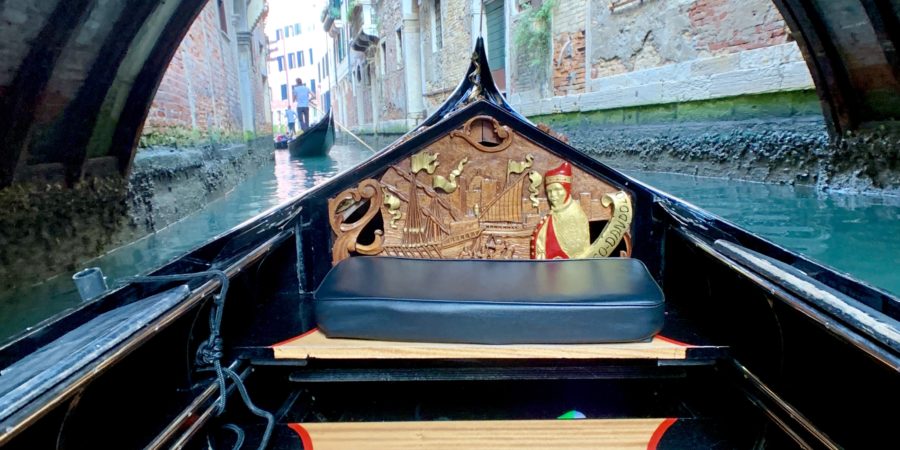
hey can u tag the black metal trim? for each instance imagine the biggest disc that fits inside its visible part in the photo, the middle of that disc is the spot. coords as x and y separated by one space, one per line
189 415
52 398
780 412
388 373
823 319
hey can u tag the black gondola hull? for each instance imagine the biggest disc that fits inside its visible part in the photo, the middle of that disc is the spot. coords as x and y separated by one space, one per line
317 140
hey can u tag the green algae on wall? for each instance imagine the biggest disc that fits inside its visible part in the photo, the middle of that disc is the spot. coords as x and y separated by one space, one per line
743 107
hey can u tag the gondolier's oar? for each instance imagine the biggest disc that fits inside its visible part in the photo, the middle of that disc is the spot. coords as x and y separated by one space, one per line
346 130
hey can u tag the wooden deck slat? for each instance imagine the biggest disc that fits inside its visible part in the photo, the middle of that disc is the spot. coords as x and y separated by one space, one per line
494 435
315 345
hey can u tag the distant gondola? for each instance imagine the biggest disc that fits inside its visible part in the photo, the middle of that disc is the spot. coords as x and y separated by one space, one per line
316 140
464 288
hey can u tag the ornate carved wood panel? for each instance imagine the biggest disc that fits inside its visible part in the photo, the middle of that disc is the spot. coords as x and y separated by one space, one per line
479 193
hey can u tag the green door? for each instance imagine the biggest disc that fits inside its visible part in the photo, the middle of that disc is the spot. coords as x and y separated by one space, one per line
495 19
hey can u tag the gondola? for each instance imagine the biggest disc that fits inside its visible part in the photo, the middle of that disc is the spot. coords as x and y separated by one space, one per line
316 140
477 284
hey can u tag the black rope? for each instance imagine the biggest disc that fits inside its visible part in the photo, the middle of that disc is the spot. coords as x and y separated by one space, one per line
239 442
270 419
211 351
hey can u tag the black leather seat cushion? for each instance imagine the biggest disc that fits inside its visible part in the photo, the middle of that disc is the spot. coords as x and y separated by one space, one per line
490 302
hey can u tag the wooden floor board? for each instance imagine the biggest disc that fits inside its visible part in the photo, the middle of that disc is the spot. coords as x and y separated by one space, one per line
494 435
315 345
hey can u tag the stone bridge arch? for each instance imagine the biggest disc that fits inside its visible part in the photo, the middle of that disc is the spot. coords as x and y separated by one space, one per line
77 78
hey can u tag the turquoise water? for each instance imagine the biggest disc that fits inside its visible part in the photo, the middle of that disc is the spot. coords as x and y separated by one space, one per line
272 185
855 234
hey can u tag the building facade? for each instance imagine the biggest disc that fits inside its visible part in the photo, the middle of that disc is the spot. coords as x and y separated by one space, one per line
216 86
397 60
296 50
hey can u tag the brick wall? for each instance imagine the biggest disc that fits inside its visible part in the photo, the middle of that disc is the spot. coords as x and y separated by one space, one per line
446 67
656 33
200 89
568 63
392 84
659 52
568 57
721 26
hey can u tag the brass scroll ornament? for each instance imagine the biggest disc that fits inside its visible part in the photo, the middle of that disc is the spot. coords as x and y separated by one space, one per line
341 206
503 132
615 229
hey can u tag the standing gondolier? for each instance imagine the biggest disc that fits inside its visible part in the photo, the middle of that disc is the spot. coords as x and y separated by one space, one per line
291 120
302 95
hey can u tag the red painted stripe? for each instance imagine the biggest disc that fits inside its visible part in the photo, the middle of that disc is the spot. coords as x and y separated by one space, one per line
295 338
304 435
658 434
672 341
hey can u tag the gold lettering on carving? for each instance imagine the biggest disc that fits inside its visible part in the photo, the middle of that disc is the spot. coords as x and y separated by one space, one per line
615 229
450 185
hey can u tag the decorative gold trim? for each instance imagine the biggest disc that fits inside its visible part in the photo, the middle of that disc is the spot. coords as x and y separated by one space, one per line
535 180
346 234
616 229
475 77
450 185
424 161
503 132
558 179
393 206
519 166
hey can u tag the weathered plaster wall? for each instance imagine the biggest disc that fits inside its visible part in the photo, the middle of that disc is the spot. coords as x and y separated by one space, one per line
655 33
568 59
259 78
390 79
658 52
443 68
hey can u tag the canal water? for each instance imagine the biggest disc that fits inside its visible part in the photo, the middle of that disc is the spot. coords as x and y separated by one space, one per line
859 235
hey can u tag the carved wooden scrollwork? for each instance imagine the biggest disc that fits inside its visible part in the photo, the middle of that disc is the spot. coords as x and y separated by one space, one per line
347 234
474 136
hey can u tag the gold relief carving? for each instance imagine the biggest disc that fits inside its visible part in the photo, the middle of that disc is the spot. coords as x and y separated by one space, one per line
486 207
564 232
535 180
519 166
369 193
450 185
475 77
474 136
424 161
617 227
393 206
